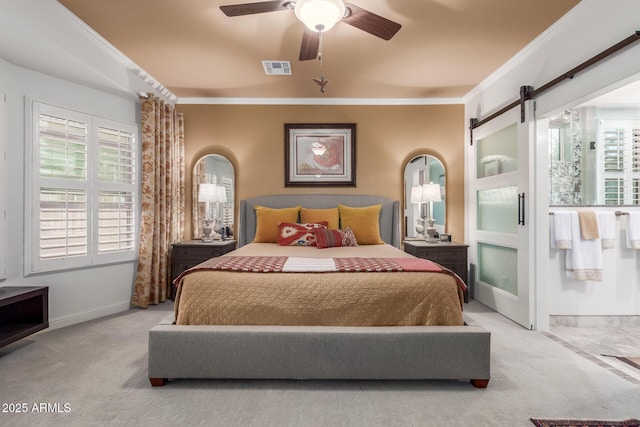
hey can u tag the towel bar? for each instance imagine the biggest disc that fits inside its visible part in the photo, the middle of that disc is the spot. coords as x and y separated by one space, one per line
618 213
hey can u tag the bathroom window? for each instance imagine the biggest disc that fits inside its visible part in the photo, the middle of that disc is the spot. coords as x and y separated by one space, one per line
619 150
595 157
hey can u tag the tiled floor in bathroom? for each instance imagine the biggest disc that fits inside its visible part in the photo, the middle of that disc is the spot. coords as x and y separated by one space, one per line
597 339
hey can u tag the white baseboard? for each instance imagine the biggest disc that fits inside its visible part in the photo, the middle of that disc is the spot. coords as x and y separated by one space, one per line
61 322
595 321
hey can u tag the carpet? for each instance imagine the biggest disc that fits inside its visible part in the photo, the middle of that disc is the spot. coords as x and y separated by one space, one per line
585 423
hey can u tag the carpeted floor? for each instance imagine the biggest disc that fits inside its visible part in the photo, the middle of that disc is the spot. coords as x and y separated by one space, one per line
585 423
95 374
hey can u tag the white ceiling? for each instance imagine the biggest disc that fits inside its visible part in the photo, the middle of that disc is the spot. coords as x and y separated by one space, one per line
443 50
627 95
190 49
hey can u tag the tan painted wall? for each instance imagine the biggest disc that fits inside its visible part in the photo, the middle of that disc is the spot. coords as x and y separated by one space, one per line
387 137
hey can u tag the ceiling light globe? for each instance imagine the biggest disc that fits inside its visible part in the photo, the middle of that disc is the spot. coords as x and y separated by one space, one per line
319 15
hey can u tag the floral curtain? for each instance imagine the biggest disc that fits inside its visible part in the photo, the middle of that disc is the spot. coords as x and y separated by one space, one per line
162 199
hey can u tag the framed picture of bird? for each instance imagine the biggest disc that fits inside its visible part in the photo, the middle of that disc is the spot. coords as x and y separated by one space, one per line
320 155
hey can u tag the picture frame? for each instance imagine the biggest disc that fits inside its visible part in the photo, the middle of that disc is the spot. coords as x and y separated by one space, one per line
320 155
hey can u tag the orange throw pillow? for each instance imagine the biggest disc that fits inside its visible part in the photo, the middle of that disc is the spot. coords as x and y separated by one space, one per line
267 220
364 221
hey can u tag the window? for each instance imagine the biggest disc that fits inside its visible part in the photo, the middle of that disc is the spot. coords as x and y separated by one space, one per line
84 190
620 171
227 207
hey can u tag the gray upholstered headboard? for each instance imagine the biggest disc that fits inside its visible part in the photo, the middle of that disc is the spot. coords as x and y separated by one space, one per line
389 213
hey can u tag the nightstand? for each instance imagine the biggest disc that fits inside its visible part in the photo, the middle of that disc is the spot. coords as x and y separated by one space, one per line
450 255
185 255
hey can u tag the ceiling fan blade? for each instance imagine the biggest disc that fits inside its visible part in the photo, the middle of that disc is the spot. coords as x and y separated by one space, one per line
370 22
259 7
310 45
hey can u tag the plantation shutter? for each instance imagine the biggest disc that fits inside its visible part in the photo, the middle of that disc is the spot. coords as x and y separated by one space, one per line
621 162
63 219
116 175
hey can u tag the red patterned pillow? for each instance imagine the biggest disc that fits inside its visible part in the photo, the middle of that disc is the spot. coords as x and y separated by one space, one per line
292 234
334 238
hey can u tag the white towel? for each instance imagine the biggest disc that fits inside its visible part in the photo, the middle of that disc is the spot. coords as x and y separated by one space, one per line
584 259
607 228
633 230
560 228
300 264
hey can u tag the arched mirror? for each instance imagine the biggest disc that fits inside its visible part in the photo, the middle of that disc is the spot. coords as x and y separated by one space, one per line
213 197
425 198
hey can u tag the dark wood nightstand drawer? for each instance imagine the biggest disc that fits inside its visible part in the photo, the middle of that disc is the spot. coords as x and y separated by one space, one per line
185 255
445 254
450 255
458 268
196 253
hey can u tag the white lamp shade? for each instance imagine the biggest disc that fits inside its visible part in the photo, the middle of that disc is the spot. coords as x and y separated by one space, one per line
416 194
426 193
431 193
319 15
222 194
208 193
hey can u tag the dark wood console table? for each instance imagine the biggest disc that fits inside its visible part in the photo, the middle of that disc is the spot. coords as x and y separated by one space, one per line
24 310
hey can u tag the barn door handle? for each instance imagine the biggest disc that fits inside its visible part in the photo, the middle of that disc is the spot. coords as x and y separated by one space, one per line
521 209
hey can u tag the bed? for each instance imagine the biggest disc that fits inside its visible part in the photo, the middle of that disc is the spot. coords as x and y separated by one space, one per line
425 338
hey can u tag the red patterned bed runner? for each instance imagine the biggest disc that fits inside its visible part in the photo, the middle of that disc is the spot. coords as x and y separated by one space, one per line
277 264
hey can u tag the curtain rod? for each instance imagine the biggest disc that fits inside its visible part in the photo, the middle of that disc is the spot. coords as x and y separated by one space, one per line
528 92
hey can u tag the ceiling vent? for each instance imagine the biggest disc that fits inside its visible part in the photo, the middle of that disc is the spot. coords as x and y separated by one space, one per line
277 68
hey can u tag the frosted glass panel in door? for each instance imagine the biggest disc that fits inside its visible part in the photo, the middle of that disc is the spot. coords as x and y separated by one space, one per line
498 267
498 152
498 209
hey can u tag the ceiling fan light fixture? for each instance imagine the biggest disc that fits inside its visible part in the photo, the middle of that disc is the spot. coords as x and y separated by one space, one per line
320 15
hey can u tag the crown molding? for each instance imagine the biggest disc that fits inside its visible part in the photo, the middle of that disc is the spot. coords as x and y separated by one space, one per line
537 43
111 51
320 101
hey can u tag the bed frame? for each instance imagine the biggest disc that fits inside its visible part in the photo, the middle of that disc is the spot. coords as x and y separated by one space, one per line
319 352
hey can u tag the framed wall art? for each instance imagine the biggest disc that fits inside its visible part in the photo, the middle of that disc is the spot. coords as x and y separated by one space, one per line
320 155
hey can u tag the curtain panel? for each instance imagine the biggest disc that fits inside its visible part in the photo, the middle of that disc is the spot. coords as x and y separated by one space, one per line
162 199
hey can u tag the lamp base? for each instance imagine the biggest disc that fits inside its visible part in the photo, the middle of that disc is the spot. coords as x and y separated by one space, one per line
420 228
431 233
206 235
430 238
217 228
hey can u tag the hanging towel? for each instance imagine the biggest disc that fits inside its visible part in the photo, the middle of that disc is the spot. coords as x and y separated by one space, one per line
633 230
584 259
560 229
588 225
607 223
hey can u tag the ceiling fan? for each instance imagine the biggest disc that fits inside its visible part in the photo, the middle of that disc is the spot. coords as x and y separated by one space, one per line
319 16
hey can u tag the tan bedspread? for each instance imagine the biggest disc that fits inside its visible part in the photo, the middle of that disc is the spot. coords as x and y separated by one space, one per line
325 298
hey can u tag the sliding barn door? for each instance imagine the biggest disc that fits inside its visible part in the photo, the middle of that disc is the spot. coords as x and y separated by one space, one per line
501 158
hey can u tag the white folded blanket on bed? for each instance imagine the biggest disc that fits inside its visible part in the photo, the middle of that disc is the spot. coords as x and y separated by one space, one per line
302 264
